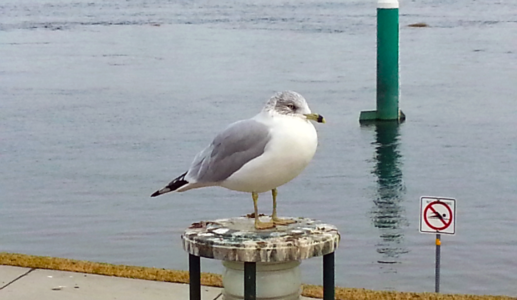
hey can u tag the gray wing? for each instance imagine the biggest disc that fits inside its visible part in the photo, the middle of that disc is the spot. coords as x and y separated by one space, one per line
229 151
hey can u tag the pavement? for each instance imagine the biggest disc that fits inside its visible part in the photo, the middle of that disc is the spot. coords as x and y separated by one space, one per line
17 283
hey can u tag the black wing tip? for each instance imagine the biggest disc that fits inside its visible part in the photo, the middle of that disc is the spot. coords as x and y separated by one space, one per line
172 186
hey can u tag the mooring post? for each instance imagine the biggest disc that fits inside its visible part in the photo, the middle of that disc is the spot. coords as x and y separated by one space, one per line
387 65
263 264
388 60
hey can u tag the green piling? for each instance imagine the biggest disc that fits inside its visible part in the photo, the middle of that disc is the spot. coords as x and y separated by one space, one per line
387 65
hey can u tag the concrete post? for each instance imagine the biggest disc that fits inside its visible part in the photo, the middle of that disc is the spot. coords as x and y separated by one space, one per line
274 254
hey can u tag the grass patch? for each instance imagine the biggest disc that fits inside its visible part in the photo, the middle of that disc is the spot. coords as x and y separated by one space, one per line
208 279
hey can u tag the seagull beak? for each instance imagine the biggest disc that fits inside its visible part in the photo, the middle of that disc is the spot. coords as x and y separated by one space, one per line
315 117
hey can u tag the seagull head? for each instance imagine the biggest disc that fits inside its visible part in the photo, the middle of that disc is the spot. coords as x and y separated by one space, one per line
292 104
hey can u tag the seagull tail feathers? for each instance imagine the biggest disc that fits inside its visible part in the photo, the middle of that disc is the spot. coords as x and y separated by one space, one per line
172 186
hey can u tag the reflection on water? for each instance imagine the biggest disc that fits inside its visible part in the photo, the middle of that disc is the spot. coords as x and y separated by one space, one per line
388 215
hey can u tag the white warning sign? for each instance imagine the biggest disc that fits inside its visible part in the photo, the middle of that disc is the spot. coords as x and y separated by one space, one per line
437 215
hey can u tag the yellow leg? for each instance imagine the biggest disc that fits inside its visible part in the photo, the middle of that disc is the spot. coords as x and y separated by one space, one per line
260 225
274 193
274 217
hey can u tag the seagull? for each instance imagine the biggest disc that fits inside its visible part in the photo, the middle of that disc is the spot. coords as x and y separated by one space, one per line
258 154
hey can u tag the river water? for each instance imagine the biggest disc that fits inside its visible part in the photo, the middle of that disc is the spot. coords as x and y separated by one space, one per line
103 102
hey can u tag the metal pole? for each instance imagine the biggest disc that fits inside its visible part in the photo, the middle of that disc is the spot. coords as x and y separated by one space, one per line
250 280
437 269
195 277
328 276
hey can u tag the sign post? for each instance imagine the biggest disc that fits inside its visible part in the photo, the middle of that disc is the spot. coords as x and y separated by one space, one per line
437 266
437 216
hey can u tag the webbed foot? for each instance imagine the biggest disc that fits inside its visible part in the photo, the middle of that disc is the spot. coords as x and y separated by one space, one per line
278 221
263 225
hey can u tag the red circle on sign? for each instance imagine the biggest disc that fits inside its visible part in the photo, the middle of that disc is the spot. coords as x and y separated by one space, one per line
445 225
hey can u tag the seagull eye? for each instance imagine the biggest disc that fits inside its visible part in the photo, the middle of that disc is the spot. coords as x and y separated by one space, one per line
291 106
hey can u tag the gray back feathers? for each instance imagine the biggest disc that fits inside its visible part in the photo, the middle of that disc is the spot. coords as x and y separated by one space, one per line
229 151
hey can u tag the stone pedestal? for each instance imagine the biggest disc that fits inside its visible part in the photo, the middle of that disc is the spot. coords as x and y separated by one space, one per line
277 252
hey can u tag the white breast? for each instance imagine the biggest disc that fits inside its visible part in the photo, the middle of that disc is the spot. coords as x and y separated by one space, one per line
290 150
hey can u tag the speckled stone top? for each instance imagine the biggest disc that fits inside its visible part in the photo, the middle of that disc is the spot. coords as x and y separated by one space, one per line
236 239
